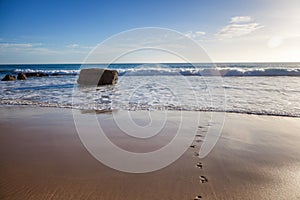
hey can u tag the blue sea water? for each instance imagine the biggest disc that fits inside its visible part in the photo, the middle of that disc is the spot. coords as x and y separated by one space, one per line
255 88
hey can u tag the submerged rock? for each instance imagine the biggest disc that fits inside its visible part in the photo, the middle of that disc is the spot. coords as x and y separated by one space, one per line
9 77
36 74
21 76
97 77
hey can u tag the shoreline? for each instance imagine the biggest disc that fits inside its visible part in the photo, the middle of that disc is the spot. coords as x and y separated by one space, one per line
42 157
38 105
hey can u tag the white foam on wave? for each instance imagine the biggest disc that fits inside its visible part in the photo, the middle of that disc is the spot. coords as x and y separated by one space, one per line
184 71
50 72
217 71
252 95
143 108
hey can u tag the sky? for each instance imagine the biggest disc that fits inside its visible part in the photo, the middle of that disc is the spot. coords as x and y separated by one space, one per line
52 31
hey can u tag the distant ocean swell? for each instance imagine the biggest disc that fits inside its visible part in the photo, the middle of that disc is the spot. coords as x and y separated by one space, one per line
178 71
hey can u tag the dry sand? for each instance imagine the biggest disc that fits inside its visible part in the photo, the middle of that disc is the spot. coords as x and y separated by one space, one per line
42 157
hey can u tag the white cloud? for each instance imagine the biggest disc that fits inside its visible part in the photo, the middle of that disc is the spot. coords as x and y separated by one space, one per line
73 45
40 49
15 45
77 47
199 33
194 35
23 48
236 30
240 19
238 26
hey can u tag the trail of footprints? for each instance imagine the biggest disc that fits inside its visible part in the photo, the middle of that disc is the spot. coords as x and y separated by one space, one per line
203 179
199 165
198 197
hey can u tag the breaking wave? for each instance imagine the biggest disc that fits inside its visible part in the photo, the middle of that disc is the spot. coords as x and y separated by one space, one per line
180 71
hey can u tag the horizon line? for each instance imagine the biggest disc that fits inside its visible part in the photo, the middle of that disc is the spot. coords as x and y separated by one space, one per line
218 62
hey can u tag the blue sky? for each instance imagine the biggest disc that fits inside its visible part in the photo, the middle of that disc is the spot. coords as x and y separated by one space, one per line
54 31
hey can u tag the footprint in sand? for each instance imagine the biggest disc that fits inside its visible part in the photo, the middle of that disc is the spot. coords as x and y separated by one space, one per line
196 154
203 179
198 135
198 141
199 165
200 127
193 146
198 197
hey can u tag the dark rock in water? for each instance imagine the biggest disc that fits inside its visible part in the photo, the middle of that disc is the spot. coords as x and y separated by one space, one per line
36 74
9 77
109 77
96 77
21 76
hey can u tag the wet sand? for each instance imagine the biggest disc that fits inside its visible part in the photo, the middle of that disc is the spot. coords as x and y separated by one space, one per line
42 157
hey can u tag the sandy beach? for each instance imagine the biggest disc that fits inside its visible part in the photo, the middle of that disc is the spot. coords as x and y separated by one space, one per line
150 100
42 157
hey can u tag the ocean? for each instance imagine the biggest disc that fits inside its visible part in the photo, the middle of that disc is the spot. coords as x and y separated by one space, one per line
252 88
